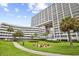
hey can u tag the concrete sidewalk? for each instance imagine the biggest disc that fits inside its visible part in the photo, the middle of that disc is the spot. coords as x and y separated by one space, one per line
17 45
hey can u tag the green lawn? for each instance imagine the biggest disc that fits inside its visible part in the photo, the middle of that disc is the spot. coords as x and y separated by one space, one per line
60 48
7 49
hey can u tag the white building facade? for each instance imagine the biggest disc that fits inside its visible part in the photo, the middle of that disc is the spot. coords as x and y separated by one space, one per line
28 31
50 18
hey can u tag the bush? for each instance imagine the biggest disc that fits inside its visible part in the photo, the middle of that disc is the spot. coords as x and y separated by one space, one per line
64 40
76 41
40 39
33 41
54 41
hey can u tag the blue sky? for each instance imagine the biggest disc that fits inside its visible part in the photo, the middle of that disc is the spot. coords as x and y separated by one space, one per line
20 13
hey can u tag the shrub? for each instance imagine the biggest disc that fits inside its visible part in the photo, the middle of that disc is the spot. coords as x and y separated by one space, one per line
40 39
54 41
33 41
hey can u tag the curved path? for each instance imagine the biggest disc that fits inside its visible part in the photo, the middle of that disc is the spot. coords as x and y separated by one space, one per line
17 45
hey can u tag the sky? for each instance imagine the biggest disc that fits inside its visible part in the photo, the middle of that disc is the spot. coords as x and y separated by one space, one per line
20 13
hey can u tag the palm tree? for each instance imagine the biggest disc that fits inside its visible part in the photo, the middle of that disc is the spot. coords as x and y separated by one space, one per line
67 24
9 29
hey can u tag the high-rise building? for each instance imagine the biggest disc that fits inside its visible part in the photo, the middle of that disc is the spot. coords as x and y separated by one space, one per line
50 17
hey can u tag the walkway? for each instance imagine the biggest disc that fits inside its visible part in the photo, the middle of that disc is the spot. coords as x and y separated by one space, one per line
17 45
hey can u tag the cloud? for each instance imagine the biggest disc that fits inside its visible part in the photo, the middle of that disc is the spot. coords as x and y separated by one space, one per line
31 5
18 16
25 16
36 7
4 4
35 11
41 6
16 9
6 9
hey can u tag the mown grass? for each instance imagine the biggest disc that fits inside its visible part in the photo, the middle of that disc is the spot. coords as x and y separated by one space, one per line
7 49
59 47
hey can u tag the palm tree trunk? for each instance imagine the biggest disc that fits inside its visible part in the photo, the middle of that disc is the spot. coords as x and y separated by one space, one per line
23 43
31 37
8 37
70 40
14 38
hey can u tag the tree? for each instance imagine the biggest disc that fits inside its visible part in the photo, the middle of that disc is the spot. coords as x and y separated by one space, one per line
45 34
67 24
18 33
34 35
9 29
14 36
